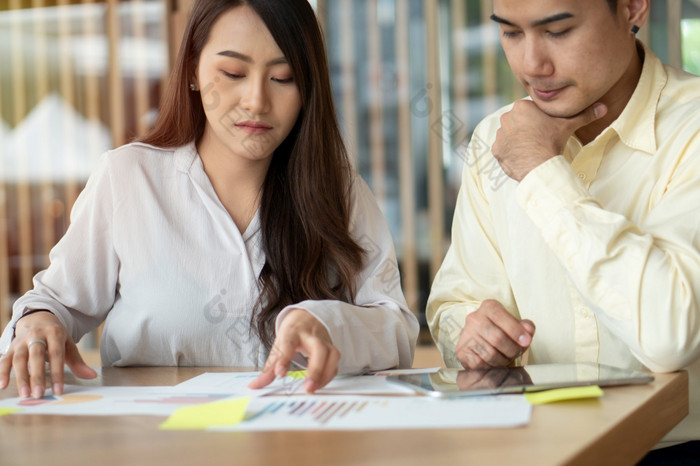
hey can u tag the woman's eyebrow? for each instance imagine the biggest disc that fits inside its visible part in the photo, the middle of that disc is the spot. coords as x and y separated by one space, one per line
247 59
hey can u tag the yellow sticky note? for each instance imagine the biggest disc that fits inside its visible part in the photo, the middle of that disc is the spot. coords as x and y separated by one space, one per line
563 394
6 411
199 417
297 374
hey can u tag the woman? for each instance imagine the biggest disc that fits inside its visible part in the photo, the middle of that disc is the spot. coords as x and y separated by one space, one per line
235 233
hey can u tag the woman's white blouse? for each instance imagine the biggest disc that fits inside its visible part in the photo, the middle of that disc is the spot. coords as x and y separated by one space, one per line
153 254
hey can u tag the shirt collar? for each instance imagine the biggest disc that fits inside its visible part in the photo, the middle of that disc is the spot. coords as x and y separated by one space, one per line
636 125
185 157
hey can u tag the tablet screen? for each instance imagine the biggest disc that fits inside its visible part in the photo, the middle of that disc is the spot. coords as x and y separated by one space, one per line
535 377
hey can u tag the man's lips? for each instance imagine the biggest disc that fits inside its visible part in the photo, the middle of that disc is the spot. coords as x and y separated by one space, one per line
253 127
547 94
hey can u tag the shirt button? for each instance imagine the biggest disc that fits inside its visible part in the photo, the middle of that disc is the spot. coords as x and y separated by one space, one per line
582 176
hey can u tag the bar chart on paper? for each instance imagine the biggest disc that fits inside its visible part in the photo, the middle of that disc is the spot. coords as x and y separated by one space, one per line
318 410
379 412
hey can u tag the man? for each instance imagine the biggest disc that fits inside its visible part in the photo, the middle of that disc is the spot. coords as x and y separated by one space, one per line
577 228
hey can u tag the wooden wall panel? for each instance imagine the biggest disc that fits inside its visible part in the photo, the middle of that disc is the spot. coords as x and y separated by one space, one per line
407 185
436 183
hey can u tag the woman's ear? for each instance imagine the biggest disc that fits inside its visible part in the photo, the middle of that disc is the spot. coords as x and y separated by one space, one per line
193 77
193 83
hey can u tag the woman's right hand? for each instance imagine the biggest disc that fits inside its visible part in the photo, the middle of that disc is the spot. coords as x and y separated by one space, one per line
39 337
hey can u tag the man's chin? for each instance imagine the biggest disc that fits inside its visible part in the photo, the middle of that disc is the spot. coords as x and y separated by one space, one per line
557 110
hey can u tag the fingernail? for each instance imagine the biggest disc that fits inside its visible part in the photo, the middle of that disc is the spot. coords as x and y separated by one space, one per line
524 339
309 385
24 391
56 388
597 110
38 392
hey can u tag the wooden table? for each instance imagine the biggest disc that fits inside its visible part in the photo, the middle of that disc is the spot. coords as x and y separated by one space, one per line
615 429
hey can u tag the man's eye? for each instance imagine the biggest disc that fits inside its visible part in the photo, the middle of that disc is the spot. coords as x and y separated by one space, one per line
559 33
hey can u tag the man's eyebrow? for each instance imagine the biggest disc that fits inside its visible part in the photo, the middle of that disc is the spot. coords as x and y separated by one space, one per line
539 22
247 59
500 20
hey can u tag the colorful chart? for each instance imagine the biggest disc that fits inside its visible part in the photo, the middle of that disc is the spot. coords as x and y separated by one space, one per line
320 411
83 400
379 412
79 398
35 401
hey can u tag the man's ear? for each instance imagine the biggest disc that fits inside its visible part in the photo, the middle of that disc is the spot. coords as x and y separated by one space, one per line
636 12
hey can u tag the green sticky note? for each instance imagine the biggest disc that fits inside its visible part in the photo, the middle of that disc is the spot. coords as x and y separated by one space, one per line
199 417
563 394
6 411
297 374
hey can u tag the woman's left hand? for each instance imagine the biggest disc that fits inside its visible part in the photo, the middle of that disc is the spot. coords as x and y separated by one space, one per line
301 332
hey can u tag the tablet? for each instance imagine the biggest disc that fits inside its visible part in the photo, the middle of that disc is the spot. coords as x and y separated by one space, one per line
535 377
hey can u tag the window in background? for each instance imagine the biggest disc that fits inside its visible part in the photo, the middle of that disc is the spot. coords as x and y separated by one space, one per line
690 30
78 78
690 37
674 33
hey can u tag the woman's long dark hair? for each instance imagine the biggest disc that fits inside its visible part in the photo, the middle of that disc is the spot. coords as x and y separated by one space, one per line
305 197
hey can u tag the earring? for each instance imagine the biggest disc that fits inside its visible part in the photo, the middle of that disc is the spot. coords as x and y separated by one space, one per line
635 29
193 87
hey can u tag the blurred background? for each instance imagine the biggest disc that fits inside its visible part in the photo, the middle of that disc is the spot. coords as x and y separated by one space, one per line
411 80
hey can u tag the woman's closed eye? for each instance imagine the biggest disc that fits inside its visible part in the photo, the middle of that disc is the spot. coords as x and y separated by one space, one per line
232 75
283 80
280 80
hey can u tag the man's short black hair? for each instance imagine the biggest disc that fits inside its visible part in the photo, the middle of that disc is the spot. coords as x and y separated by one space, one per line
613 5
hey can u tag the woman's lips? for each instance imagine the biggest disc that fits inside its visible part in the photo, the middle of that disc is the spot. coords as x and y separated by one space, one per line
253 127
